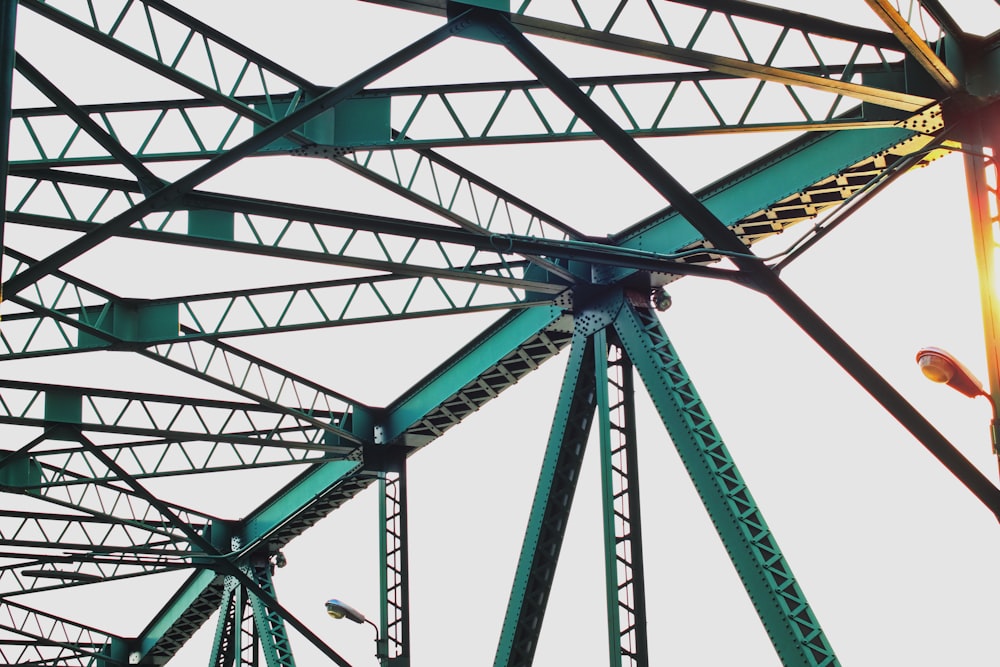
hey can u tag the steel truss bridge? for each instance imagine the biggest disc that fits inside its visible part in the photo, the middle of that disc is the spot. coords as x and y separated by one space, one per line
127 119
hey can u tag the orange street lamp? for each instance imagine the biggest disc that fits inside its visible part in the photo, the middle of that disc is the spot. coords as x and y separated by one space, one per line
940 366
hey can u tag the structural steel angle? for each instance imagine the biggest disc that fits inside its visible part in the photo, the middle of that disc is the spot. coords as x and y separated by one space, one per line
90 468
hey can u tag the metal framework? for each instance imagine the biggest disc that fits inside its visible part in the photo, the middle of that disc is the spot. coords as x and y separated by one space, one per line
171 148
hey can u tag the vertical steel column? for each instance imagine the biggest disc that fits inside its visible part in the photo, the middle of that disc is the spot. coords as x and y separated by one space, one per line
226 641
8 19
622 525
394 644
550 509
793 629
247 627
247 646
272 636
981 175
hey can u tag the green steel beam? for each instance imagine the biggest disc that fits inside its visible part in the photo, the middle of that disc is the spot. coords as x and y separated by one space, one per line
767 281
280 518
225 645
245 541
794 183
274 131
399 174
790 623
394 632
44 639
837 82
268 624
686 104
138 414
148 181
301 503
494 361
550 508
180 617
624 570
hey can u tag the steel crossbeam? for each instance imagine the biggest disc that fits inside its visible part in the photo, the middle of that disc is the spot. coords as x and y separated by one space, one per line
32 637
868 104
675 104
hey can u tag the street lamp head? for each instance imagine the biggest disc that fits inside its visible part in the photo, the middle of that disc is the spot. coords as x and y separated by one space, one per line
338 609
938 365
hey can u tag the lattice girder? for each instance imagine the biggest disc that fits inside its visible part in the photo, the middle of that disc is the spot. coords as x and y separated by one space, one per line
84 174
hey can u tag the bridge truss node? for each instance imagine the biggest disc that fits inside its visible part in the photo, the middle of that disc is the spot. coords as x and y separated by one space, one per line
253 264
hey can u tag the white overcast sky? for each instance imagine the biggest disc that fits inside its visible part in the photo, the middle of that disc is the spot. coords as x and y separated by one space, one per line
895 556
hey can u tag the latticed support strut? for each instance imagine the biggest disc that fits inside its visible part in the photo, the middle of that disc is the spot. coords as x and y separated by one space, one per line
394 644
247 628
550 509
622 524
790 623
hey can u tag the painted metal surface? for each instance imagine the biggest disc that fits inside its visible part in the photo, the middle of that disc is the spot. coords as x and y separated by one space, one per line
793 628
550 509
87 460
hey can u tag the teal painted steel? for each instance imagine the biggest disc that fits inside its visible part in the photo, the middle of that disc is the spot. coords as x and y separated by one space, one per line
285 506
550 508
794 631
190 606
268 624
90 449
362 124
51 639
486 351
394 628
227 637
737 197
623 553
246 148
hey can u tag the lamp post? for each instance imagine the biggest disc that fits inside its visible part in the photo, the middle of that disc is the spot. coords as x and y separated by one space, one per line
337 609
938 365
